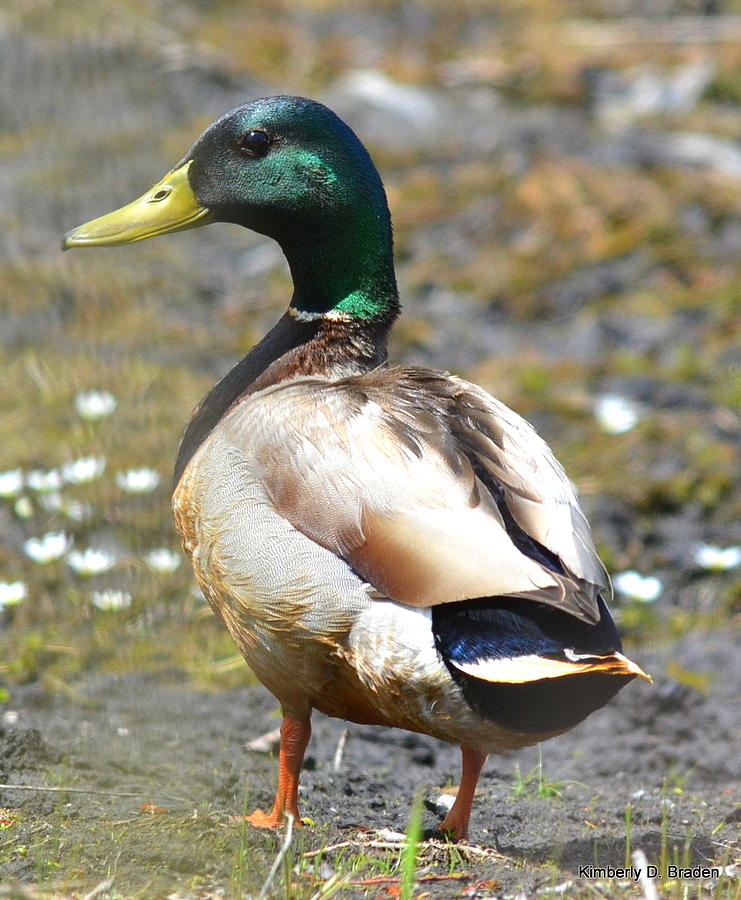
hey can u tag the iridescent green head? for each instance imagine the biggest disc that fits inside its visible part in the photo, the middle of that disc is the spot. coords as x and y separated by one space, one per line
289 168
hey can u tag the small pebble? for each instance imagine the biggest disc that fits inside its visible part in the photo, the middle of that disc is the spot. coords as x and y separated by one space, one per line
444 802
393 837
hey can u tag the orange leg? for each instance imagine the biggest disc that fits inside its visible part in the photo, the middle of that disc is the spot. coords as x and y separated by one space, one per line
294 736
456 820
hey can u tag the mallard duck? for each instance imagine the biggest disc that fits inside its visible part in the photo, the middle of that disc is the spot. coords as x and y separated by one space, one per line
389 545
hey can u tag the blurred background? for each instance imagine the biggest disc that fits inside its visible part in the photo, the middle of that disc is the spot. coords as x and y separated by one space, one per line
565 184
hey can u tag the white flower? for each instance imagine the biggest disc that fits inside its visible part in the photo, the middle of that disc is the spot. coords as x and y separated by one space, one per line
12 592
91 561
717 559
84 469
110 600
51 501
77 510
638 587
23 508
50 546
73 509
163 560
615 414
44 482
138 481
11 482
95 405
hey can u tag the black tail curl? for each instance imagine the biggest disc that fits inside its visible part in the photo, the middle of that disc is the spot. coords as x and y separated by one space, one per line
505 628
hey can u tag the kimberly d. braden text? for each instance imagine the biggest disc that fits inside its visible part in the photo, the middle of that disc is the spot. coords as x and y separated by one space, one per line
635 873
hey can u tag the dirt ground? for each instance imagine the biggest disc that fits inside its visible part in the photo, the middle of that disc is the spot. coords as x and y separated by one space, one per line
146 775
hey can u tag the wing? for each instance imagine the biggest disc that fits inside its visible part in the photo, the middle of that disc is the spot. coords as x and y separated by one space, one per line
428 487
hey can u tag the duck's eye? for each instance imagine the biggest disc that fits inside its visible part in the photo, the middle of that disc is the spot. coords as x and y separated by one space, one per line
254 143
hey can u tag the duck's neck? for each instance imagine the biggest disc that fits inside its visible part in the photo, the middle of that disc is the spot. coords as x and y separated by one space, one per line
346 272
344 303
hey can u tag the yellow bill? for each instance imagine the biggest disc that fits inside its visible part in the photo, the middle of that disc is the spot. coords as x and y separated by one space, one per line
169 206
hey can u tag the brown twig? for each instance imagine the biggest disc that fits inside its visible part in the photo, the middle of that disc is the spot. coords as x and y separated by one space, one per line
387 879
468 850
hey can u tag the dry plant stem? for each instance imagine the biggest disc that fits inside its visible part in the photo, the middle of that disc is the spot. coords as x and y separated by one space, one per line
99 889
78 790
383 879
468 851
337 761
279 858
456 820
647 884
294 737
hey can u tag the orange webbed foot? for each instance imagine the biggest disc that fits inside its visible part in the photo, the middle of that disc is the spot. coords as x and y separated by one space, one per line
260 819
455 827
